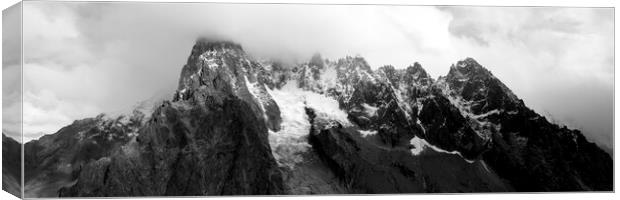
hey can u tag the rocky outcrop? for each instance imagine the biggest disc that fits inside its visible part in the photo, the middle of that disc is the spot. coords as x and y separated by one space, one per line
371 102
219 151
53 161
367 168
445 127
478 89
374 105
11 166
527 150
211 140
360 166
216 69
435 117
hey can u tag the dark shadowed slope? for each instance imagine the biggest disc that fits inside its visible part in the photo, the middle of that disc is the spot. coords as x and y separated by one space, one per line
529 151
11 167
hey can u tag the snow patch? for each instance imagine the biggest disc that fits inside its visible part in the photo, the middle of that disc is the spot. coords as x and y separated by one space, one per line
370 77
209 59
496 111
324 107
421 126
419 145
261 97
267 67
329 77
80 135
366 133
406 109
420 106
370 110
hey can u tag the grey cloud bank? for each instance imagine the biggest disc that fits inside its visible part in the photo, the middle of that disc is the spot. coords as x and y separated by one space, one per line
86 58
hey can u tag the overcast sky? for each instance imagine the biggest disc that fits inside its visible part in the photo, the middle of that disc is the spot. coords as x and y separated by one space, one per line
82 59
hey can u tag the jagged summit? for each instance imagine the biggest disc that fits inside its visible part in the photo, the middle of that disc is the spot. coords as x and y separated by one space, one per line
354 63
418 75
217 70
477 88
469 62
468 68
411 79
416 68
215 67
203 45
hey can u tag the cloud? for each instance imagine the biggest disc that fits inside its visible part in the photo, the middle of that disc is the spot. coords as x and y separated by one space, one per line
11 71
104 57
11 35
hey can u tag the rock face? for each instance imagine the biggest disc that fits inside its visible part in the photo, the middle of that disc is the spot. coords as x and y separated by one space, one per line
11 167
218 151
216 70
436 118
211 140
369 168
241 126
54 161
527 150
448 128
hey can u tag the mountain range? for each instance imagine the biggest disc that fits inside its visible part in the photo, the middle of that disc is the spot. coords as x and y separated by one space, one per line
238 125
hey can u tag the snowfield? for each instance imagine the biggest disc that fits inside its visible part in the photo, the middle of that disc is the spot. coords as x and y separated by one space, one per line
366 133
371 111
288 143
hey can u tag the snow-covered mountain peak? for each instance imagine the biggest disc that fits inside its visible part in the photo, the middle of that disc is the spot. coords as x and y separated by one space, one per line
356 63
417 70
476 90
217 67
467 69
